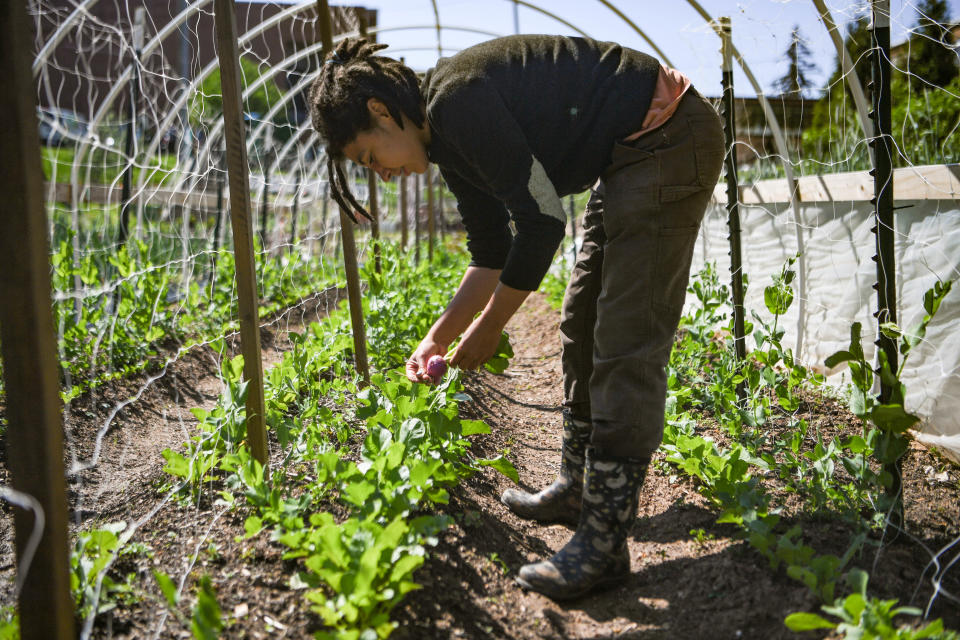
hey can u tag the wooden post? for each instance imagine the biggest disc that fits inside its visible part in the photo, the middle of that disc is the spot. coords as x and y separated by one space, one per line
129 146
346 235
403 212
27 338
441 216
371 176
733 199
263 211
240 218
375 223
293 209
431 222
416 218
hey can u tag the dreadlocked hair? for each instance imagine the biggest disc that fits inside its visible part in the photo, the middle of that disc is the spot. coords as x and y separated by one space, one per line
350 75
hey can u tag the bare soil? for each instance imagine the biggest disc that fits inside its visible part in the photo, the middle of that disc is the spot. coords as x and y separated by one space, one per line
683 585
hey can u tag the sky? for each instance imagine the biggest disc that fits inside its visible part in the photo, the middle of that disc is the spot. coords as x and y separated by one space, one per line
761 30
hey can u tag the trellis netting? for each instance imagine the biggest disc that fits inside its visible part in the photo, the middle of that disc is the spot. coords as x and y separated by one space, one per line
129 92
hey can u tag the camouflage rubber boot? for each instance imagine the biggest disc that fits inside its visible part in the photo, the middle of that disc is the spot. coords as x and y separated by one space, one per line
559 502
597 554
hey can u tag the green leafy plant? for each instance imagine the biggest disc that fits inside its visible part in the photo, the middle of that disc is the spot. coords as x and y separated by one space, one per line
864 618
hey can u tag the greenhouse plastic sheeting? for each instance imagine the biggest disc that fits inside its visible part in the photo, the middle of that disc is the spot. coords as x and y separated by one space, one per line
834 290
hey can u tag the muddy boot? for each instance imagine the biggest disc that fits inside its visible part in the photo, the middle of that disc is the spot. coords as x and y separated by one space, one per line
559 502
597 554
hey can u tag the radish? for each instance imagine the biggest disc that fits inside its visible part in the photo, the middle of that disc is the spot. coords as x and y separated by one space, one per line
436 367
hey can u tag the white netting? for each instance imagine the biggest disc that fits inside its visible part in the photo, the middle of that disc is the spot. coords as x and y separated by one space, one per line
129 105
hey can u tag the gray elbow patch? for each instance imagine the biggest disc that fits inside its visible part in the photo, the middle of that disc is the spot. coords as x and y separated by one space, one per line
544 193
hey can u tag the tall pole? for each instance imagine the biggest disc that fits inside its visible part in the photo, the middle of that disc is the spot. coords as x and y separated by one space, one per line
29 351
403 213
416 218
346 234
241 218
265 193
882 144
129 146
441 215
403 208
431 223
371 176
293 207
733 197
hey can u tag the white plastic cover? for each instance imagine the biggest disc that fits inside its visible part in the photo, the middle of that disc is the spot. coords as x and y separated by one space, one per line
834 289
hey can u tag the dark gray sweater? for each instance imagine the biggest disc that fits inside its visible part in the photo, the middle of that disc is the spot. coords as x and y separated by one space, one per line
519 121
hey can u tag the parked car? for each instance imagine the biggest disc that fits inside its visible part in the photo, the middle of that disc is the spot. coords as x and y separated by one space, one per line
60 127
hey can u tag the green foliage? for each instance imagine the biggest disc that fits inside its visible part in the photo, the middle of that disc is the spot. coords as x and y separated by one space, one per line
414 449
90 582
9 624
135 302
865 618
925 109
206 622
887 439
207 103
703 375
800 65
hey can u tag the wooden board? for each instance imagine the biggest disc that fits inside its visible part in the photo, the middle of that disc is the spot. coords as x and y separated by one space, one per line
929 182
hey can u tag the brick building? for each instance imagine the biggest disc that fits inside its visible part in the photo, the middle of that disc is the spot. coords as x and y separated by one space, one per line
99 47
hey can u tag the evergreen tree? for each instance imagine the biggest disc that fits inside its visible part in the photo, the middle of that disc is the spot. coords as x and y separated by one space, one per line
858 42
800 66
931 58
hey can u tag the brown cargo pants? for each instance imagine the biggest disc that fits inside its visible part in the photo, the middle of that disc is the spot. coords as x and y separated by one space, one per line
626 292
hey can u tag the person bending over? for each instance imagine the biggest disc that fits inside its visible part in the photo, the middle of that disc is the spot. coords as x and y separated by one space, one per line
514 124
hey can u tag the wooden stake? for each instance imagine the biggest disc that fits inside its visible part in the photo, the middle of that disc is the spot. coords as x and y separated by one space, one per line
346 235
34 431
403 212
361 13
431 222
240 218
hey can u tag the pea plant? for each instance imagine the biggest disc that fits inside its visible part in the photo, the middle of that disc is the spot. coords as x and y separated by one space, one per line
415 447
703 380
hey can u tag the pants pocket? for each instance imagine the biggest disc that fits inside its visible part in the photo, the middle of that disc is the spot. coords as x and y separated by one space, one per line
674 254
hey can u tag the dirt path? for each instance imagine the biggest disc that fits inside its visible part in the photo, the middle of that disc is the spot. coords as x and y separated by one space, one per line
682 586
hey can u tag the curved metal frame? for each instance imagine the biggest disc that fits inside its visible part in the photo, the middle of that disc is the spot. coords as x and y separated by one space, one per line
82 9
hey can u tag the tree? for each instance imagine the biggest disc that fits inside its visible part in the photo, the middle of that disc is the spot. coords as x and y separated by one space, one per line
800 66
931 59
926 114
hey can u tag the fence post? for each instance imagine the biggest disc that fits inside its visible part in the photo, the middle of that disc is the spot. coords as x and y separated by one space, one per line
431 222
27 338
371 176
882 145
293 208
129 146
733 197
265 193
218 223
403 212
416 218
346 234
240 218
441 214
